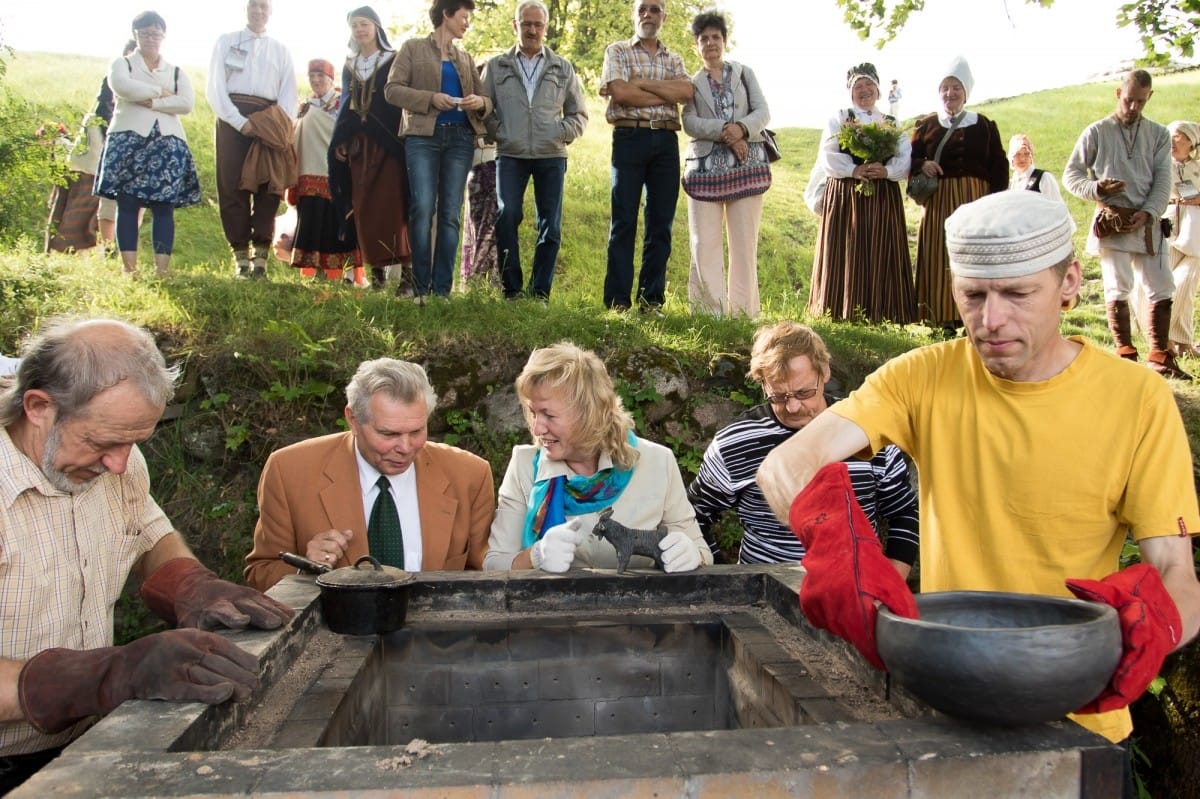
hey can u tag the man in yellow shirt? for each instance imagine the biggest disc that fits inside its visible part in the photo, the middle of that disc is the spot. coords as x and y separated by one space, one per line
1038 453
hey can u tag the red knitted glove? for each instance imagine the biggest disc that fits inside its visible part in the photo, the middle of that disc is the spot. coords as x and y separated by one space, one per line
1150 629
184 593
847 571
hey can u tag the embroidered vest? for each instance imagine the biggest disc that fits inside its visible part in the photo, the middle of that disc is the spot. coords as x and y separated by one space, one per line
1034 182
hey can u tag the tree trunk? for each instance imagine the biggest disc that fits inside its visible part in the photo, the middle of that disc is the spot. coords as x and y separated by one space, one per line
1167 728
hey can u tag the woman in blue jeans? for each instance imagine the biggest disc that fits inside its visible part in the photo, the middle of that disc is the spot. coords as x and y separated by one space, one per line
435 83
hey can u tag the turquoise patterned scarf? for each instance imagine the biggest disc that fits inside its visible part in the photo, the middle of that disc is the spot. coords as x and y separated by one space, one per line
554 498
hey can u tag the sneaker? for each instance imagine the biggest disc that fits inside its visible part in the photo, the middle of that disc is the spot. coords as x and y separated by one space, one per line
242 271
652 310
258 273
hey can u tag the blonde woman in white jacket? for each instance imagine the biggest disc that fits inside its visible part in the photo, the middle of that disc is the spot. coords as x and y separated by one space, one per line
146 162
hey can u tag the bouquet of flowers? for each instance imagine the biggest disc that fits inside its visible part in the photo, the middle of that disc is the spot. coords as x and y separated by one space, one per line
874 142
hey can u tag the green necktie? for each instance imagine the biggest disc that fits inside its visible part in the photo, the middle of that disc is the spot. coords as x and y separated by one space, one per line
384 536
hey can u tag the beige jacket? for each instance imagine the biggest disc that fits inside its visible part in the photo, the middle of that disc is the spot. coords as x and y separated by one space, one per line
655 495
416 75
700 120
313 486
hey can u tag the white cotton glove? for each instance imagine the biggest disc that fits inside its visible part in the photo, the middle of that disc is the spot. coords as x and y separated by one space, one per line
555 551
679 552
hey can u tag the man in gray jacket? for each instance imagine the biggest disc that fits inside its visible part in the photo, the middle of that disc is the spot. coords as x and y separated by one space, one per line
539 110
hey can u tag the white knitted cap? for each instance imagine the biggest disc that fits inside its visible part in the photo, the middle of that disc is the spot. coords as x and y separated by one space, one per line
959 68
1008 234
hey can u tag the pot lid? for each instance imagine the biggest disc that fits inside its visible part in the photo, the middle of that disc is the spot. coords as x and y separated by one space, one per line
366 572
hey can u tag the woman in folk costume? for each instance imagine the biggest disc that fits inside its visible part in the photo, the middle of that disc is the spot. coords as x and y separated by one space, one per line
317 244
1025 175
1184 252
861 267
972 165
74 209
367 176
586 458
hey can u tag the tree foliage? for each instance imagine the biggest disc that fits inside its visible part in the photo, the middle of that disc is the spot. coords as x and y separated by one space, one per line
579 30
32 158
1166 27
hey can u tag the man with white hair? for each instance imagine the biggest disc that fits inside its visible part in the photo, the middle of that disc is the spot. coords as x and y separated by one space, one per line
381 488
1038 454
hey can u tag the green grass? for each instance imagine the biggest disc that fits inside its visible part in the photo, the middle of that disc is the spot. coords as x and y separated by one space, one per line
203 316
204 311
203 308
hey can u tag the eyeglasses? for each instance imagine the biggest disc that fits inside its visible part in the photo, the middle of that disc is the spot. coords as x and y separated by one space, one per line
803 394
150 36
644 10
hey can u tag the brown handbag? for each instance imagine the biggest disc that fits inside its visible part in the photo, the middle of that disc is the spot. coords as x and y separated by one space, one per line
1111 219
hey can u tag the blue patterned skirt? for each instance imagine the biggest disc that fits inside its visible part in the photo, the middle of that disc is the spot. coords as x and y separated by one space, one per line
153 169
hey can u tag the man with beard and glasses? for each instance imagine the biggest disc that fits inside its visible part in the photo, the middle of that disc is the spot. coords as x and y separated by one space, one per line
76 516
644 84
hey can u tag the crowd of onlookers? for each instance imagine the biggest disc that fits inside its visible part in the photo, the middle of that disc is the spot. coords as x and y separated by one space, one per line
378 163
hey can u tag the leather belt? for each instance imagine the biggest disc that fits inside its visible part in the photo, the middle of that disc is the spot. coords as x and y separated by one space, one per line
653 124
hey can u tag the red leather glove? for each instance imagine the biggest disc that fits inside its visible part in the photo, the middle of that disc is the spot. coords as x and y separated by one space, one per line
1150 629
184 593
847 571
58 687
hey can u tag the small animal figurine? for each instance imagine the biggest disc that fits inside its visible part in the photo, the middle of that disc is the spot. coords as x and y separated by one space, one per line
629 542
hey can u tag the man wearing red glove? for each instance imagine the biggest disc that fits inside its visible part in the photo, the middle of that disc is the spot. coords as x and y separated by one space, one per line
1038 453
76 517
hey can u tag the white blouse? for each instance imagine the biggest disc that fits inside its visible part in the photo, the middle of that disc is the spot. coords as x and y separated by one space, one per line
133 82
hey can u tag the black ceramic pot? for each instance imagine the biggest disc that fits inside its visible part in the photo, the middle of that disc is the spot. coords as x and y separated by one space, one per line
365 601
1001 658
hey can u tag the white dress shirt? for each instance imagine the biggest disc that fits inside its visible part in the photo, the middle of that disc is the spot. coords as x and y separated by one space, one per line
404 492
245 62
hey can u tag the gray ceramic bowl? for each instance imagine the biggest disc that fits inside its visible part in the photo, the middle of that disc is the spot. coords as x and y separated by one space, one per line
1001 658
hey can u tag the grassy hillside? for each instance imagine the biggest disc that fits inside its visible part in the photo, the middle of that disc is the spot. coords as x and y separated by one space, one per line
205 311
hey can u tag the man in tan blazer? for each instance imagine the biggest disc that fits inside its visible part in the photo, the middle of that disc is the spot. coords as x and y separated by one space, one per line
315 497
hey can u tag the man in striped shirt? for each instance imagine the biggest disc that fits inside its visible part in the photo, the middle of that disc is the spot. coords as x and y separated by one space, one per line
791 363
